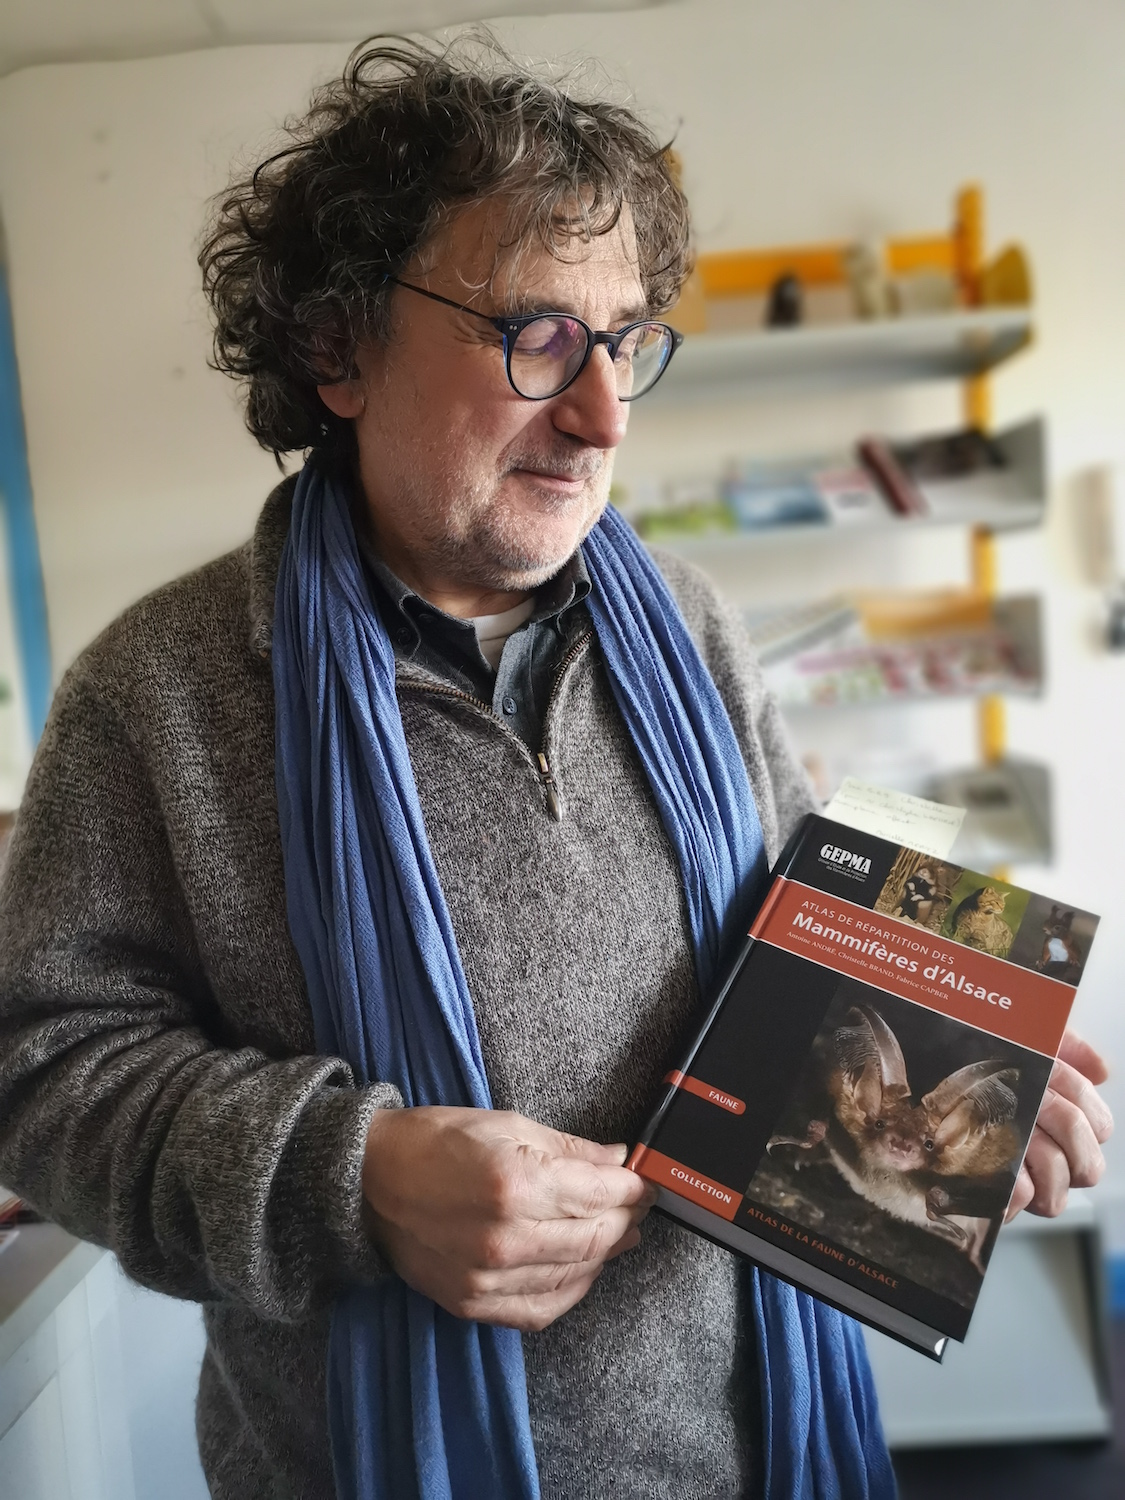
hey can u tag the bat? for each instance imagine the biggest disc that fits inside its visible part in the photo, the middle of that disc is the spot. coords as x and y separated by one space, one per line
944 1163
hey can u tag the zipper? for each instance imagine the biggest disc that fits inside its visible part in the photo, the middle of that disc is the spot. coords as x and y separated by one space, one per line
546 775
443 690
547 780
575 647
550 787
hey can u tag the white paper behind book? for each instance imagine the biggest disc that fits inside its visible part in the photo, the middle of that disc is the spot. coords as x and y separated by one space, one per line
929 827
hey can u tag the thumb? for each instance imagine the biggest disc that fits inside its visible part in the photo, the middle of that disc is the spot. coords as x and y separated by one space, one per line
559 1143
576 1148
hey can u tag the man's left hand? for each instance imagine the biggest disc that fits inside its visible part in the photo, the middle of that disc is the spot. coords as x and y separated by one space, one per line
1065 1147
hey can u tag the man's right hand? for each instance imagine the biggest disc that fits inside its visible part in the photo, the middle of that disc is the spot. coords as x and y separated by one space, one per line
494 1217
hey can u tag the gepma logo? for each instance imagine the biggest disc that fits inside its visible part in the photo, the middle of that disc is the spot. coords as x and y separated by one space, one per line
855 865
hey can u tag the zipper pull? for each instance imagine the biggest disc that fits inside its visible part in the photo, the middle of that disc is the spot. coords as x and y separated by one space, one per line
547 777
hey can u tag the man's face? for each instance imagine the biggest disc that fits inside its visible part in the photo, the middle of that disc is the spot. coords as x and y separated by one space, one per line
469 485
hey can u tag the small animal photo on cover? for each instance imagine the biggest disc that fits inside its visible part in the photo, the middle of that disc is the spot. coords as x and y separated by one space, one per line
985 913
1054 940
919 890
903 1138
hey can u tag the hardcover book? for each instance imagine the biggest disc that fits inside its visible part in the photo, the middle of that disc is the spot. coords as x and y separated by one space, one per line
854 1109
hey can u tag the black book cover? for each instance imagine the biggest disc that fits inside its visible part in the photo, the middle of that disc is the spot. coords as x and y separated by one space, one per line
854 1109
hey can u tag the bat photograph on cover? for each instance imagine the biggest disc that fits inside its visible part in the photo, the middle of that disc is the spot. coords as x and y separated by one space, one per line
903 1138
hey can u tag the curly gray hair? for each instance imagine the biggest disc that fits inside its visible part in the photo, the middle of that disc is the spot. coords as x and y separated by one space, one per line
296 257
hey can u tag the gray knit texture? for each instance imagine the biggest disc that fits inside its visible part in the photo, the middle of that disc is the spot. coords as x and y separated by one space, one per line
159 1088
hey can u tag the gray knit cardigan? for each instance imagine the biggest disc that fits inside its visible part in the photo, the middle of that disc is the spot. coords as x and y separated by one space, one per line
160 1091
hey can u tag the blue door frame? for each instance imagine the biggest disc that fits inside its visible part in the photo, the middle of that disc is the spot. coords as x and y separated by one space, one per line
29 604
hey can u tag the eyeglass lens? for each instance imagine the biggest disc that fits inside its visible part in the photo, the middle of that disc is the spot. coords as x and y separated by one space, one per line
548 351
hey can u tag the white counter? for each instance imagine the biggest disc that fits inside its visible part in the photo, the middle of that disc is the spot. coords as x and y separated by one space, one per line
97 1378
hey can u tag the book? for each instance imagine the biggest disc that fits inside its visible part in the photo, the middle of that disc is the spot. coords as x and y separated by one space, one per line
833 490
761 496
893 478
853 1110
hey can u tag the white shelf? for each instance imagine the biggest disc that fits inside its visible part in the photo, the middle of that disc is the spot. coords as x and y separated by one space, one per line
948 346
996 515
1009 499
1034 1367
821 659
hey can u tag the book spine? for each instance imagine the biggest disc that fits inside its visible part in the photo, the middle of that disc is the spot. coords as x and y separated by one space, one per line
901 492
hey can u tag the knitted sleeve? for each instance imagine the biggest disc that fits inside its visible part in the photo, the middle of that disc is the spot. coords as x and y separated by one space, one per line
127 1112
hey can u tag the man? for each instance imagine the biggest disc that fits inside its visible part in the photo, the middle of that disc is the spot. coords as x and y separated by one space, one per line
424 290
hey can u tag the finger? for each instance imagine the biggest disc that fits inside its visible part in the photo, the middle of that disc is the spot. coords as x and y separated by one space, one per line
535 1280
558 1241
532 1313
1079 1054
489 1296
579 1189
628 1241
1070 1130
1049 1171
527 1281
601 1156
559 1143
1068 1081
1022 1194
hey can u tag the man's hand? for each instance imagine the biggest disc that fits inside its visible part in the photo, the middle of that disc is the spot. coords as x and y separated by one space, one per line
495 1217
1065 1147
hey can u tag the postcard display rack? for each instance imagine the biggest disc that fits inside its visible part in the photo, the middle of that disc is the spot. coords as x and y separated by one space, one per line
1035 1364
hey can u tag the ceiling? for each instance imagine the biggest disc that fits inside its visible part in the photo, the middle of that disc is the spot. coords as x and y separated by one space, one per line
42 31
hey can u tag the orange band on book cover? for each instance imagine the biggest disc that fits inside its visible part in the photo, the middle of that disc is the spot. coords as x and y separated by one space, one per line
940 973
662 1170
690 1085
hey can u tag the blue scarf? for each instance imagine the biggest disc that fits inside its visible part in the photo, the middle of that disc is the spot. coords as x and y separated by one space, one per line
422 1405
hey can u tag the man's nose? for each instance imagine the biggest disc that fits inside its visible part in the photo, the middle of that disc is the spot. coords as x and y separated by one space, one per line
590 409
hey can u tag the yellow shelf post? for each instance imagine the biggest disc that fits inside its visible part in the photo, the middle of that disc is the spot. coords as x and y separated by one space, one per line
968 249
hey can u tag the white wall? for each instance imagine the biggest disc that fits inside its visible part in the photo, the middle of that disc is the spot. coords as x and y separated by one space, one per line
797 120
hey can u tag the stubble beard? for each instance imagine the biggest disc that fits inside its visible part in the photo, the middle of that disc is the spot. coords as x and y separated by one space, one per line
480 540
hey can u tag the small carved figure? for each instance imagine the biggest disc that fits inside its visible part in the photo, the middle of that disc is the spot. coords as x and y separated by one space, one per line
872 294
786 305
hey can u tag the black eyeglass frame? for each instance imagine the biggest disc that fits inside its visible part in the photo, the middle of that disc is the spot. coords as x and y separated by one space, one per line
511 328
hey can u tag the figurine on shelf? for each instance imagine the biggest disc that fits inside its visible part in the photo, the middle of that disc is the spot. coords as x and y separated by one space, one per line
786 305
872 293
1115 628
924 293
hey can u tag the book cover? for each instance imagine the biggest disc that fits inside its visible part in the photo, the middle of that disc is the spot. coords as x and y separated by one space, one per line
854 1109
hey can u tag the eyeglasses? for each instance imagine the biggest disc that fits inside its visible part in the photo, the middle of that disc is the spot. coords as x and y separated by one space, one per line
546 352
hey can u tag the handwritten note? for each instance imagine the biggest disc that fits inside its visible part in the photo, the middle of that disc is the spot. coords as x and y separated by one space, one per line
929 827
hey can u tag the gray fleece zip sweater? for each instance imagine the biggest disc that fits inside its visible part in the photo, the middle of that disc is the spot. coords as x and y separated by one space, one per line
160 1091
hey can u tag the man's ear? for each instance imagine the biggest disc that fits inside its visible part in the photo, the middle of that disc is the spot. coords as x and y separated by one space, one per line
344 398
